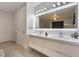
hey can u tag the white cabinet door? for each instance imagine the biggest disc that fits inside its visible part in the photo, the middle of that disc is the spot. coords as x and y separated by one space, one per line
55 48
41 46
21 26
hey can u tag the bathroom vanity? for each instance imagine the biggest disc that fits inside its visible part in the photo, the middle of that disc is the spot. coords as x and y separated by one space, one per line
54 46
63 17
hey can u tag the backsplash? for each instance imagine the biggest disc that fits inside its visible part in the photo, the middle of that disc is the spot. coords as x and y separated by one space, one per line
56 32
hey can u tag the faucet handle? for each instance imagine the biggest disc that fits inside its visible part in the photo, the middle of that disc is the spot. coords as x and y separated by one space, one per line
60 34
46 34
75 35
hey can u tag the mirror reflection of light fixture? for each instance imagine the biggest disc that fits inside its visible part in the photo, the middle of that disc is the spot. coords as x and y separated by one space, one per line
54 18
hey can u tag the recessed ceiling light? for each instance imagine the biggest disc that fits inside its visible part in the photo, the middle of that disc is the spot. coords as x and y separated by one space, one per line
64 2
54 5
42 10
45 8
58 4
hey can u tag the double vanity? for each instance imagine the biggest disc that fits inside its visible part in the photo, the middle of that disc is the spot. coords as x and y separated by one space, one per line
61 17
54 45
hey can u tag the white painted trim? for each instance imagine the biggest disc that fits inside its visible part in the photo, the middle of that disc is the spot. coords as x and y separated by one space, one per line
47 29
78 16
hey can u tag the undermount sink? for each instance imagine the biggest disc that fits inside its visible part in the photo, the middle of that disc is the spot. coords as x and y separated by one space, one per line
55 36
61 37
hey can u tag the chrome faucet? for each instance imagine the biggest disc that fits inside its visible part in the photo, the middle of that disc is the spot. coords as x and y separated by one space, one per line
60 34
46 34
75 35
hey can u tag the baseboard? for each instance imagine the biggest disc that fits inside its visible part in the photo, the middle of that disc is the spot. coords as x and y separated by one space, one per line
7 41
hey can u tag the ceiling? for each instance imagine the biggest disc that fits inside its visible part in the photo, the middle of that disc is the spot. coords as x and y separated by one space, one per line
10 7
61 14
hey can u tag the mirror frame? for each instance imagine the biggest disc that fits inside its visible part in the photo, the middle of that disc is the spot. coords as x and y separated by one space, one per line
56 9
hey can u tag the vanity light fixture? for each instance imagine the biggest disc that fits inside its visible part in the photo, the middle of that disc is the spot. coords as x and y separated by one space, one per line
36 11
54 5
39 11
42 10
58 3
45 8
64 2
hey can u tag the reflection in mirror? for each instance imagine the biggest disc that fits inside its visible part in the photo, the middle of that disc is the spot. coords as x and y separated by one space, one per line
65 18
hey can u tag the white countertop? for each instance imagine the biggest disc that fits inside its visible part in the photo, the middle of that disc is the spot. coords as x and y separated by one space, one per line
56 37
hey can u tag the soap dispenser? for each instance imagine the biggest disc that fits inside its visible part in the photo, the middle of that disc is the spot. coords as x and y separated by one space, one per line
46 34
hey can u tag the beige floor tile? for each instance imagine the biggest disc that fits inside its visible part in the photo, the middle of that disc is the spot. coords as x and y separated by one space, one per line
11 49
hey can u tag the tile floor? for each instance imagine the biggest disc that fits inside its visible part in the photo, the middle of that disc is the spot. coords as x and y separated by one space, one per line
11 49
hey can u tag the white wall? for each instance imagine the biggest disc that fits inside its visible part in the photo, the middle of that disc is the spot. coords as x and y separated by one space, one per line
20 34
30 16
13 26
5 26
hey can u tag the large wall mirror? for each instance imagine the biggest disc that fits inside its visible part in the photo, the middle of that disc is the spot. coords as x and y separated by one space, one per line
63 18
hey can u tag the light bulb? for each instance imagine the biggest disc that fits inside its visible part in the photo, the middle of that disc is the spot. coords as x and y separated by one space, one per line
58 4
39 11
64 2
54 18
45 9
55 15
54 5
42 10
36 11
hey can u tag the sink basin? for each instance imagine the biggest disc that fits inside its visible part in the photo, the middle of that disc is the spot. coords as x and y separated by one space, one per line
55 37
63 37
